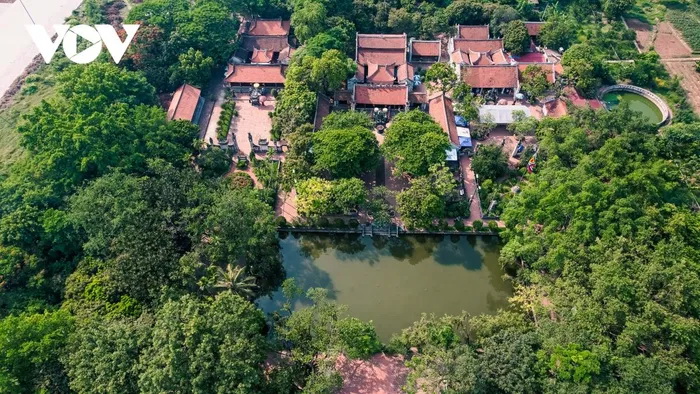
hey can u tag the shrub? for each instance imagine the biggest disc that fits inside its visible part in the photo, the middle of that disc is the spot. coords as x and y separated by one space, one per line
468 228
478 225
241 180
213 162
339 223
459 225
493 226
281 221
242 164
443 225
323 222
228 111
359 338
353 223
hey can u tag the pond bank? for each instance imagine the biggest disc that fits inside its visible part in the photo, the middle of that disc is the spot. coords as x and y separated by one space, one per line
401 231
392 281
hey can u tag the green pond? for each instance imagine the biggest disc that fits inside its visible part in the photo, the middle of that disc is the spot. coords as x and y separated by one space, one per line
391 281
636 103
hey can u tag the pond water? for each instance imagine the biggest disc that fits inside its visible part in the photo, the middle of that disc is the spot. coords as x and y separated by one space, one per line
636 103
391 281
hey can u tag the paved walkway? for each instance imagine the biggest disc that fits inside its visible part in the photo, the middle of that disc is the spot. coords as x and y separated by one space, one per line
470 187
16 46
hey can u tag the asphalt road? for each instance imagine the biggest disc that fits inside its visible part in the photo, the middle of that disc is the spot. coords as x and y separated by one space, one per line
16 47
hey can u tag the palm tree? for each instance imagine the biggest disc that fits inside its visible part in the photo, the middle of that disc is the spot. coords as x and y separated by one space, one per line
234 279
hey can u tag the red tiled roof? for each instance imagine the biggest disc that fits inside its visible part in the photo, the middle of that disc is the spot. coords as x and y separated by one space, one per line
477 45
473 32
384 73
184 103
381 95
382 41
381 56
490 77
440 108
426 48
381 48
534 28
480 58
556 108
261 56
268 27
549 68
275 44
250 73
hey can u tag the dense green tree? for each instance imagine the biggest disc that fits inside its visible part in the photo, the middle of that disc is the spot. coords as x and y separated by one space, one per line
466 103
205 346
173 28
345 153
465 12
331 70
559 31
213 162
516 39
415 142
295 106
616 8
319 197
103 355
32 344
426 199
583 67
347 119
441 77
490 162
534 82
308 19
193 68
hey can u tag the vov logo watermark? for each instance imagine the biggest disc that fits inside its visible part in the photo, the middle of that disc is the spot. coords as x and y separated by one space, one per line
68 35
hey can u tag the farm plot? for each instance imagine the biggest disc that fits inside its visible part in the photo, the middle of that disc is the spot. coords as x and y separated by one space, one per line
690 80
688 22
669 44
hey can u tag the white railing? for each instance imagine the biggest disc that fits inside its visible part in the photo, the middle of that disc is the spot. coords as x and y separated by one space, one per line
663 107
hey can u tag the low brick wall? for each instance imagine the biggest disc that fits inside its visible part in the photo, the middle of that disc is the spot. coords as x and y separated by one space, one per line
359 231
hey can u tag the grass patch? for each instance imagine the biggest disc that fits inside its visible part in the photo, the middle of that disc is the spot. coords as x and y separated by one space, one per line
37 87
649 11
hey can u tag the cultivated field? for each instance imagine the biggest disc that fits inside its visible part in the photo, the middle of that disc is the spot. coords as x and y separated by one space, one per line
690 80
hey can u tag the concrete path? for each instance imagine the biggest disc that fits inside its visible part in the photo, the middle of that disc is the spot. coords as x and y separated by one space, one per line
17 48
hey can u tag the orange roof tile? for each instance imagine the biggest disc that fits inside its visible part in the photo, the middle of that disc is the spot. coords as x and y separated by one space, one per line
261 56
477 45
268 27
473 32
275 44
384 73
381 95
440 108
252 73
184 103
382 41
426 48
491 77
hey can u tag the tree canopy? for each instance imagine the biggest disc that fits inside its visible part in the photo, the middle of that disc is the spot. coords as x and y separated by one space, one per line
415 142
345 153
